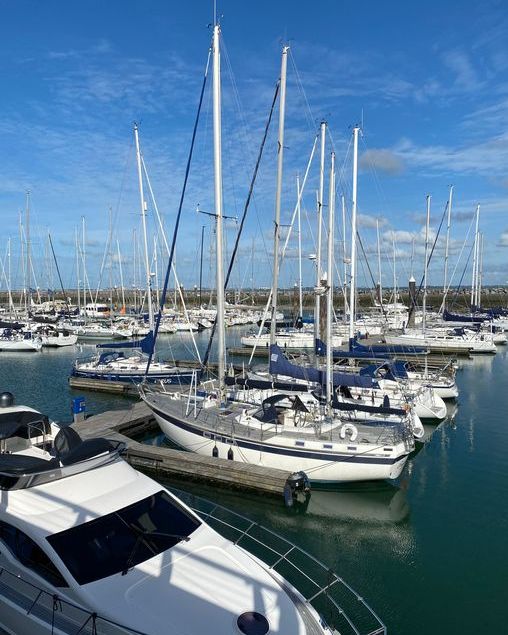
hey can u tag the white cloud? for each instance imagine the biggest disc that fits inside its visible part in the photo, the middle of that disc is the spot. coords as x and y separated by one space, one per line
370 222
465 75
503 239
382 160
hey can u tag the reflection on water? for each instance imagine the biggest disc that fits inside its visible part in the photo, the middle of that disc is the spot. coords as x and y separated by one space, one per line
371 504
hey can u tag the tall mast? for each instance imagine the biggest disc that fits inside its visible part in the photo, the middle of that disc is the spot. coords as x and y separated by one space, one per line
475 250
394 271
280 156
352 294
427 223
134 270
317 316
110 258
217 156
480 275
27 236
22 297
379 266
11 303
329 305
78 269
300 295
344 254
155 261
83 259
121 273
145 236
201 264
450 196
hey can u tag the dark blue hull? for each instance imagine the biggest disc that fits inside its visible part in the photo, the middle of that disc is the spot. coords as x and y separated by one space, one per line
177 378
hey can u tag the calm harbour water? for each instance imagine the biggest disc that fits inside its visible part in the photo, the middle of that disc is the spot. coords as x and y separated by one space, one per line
427 552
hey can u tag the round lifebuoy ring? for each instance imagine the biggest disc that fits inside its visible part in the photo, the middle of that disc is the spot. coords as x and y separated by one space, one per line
349 428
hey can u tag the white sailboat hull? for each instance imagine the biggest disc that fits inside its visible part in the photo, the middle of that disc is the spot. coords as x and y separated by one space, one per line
443 344
319 470
20 345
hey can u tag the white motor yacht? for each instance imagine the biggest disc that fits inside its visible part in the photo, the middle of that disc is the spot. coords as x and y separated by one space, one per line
90 545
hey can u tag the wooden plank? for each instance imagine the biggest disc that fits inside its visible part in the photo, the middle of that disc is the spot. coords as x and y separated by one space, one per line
167 462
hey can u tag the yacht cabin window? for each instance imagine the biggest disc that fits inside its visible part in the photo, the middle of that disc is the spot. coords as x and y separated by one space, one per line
30 555
116 542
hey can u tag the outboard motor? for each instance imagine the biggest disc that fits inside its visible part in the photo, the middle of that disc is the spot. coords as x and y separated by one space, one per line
297 483
6 399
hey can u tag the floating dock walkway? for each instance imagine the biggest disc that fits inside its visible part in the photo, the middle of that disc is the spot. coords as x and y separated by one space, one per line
122 425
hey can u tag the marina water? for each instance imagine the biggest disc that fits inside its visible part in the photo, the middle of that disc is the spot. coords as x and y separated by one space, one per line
428 552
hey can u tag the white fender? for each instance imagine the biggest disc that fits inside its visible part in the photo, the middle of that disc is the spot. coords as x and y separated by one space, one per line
418 429
349 428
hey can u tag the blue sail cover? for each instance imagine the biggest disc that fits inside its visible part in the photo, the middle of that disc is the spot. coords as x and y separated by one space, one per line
279 365
146 344
455 317
390 370
375 351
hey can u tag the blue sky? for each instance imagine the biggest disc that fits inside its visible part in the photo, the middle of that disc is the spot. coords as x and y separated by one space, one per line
431 81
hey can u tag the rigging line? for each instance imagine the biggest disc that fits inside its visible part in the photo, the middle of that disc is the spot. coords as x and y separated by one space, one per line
458 259
59 276
413 303
298 201
165 240
456 293
248 141
311 121
177 222
244 215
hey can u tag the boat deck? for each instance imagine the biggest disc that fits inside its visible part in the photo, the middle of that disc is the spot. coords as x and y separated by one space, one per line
217 421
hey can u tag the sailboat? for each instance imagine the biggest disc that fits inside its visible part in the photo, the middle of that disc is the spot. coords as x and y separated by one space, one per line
445 340
327 447
134 367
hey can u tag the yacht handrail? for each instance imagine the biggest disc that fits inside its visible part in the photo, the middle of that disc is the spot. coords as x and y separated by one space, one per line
61 615
320 595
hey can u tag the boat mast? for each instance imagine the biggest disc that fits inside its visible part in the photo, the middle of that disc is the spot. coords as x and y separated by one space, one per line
475 250
11 303
427 223
217 156
344 254
394 271
329 304
27 237
78 269
300 295
134 270
480 274
352 294
380 288
317 317
83 259
155 262
201 264
280 156
121 273
145 237
445 284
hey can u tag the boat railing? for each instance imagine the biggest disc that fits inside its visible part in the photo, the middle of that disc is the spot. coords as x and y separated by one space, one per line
337 603
57 615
